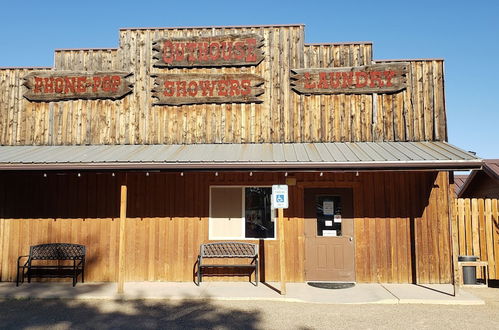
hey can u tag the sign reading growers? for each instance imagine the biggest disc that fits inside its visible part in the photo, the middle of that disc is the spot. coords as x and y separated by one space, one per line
213 51
197 88
376 78
69 85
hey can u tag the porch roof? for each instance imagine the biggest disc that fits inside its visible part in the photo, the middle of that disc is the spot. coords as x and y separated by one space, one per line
346 156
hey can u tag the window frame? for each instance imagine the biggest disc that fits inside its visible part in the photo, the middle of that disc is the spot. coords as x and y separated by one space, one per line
243 214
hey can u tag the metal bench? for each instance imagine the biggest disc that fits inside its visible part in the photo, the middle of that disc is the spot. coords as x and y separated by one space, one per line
228 250
41 257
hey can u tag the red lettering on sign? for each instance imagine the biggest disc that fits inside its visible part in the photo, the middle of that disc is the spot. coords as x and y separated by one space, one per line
226 50
179 51
335 79
38 84
246 85
222 87
239 50
106 84
323 83
81 84
207 87
169 88
97 82
308 83
388 76
58 85
376 79
214 51
116 82
361 76
181 88
69 85
48 85
191 51
193 88
234 88
168 52
203 51
250 49
347 79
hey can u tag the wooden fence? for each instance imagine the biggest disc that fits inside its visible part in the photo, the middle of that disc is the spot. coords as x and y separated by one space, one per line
478 231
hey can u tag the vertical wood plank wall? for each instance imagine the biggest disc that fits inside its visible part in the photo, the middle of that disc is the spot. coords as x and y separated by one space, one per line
402 228
416 114
165 228
478 230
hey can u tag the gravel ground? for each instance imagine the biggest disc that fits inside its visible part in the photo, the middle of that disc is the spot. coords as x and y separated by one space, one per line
151 314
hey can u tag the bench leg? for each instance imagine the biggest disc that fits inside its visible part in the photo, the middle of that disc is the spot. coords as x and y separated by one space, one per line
200 277
256 273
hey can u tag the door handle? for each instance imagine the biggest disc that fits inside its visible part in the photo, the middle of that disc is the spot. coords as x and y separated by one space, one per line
350 238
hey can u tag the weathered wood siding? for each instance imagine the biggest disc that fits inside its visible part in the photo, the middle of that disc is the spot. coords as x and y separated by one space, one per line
415 114
336 117
164 228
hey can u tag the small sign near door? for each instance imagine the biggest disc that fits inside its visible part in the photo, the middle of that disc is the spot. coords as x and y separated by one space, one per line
280 196
328 207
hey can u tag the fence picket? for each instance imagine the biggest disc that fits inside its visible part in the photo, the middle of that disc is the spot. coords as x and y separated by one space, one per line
474 233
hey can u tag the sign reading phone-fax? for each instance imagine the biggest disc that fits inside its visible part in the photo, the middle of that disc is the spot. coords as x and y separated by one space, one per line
280 196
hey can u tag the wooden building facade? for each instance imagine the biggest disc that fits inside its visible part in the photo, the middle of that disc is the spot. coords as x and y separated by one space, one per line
251 87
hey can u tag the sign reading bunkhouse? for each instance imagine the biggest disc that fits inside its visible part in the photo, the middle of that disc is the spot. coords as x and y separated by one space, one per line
213 51
179 89
70 85
376 78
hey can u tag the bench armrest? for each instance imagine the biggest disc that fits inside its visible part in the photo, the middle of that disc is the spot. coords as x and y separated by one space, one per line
19 259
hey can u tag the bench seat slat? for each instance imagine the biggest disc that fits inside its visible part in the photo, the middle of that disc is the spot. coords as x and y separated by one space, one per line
225 265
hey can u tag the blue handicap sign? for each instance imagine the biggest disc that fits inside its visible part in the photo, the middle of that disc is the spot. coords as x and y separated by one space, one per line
280 198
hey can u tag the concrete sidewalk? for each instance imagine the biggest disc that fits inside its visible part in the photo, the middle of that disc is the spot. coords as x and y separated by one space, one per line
296 292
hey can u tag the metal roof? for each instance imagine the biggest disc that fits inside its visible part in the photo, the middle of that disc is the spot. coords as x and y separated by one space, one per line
490 168
336 155
459 181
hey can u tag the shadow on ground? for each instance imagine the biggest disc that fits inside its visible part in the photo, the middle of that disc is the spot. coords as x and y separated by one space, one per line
130 314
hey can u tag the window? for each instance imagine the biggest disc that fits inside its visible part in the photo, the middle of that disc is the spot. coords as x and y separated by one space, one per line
328 211
241 212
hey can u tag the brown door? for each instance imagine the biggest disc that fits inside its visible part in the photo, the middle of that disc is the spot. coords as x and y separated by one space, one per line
329 245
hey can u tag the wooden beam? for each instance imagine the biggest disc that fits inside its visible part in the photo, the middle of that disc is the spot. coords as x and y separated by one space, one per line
454 239
282 254
121 249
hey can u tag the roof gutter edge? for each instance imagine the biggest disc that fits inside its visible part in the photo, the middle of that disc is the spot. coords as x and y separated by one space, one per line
349 166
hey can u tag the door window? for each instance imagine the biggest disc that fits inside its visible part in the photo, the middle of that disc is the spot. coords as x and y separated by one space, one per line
328 210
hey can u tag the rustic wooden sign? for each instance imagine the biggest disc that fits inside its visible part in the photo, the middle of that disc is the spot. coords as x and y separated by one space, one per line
213 51
69 85
376 78
179 89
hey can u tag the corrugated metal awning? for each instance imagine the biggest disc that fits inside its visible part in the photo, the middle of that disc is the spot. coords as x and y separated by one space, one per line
337 156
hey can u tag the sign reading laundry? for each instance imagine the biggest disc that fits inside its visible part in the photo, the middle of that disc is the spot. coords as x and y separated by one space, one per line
70 85
213 51
376 78
178 89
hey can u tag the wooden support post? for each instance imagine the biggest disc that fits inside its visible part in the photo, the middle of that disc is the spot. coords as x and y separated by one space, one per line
453 237
282 254
122 250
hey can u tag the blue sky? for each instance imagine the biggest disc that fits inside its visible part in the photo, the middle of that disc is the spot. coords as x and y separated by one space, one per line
464 33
